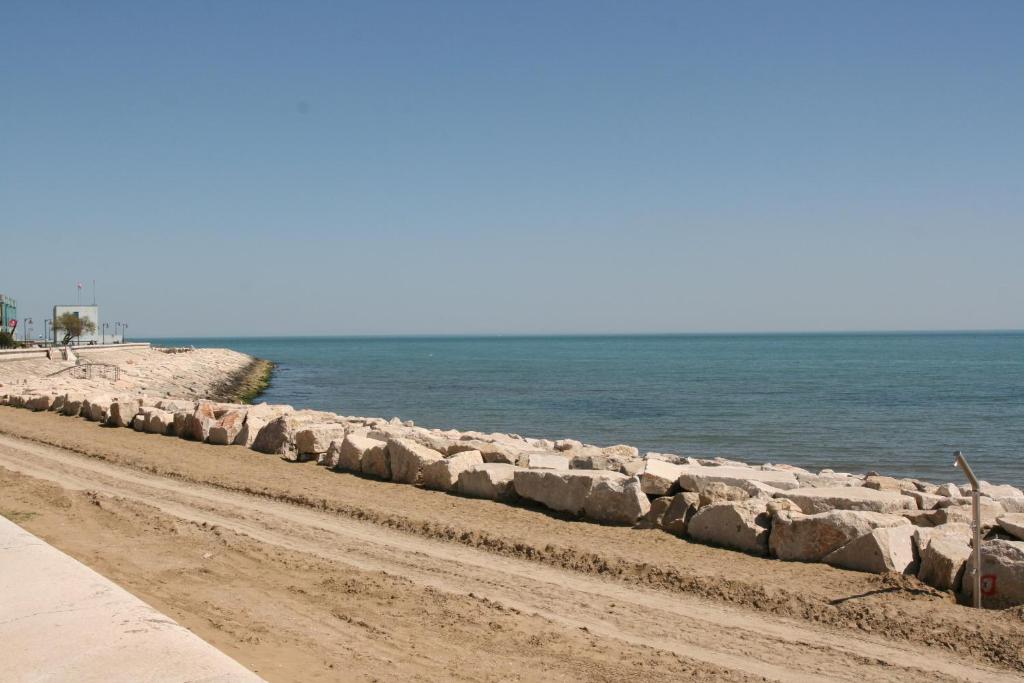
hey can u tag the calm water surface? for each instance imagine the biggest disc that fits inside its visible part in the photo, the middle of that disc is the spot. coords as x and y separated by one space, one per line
896 403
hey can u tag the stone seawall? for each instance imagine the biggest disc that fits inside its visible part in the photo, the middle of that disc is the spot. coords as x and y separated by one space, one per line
869 522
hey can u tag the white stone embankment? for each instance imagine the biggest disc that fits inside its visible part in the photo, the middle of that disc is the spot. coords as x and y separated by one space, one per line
866 523
142 370
61 621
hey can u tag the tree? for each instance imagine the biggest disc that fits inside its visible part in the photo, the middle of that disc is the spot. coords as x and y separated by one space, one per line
73 326
7 340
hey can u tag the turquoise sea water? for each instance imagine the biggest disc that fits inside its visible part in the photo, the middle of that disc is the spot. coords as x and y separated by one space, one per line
896 403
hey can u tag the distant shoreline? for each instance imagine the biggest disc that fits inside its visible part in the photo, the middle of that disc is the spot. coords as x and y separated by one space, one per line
161 341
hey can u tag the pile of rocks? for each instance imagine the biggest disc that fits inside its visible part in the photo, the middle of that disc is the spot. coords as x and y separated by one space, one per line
143 370
867 523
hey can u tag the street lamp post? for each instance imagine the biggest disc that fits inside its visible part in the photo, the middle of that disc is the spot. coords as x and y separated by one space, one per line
28 321
124 326
105 326
46 330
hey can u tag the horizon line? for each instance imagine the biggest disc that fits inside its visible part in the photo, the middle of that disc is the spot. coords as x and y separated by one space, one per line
454 335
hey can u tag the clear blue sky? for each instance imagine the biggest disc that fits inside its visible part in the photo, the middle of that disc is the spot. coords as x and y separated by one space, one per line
520 167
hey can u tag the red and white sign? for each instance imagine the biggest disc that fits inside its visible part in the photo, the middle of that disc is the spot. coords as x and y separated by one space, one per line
12 323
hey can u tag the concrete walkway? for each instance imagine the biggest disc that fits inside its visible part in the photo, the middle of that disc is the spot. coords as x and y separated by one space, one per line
61 621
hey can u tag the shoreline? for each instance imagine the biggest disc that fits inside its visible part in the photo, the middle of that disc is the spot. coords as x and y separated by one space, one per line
247 384
460 556
873 523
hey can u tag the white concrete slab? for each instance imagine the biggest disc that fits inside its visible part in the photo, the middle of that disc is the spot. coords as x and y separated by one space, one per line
61 621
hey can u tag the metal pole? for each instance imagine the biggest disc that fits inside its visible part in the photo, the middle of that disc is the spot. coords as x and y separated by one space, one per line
961 462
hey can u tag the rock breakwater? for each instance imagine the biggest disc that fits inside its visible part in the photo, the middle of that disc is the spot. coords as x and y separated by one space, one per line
866 523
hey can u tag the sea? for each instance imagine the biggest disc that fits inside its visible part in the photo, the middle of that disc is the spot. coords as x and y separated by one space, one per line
898 404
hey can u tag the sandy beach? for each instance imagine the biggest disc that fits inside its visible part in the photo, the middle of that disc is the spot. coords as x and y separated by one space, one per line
301 573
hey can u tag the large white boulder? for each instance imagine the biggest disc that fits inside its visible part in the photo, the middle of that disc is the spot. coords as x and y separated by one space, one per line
39 402
408 458
225 429
1012 524
493 481
990 510
96 407
741 526
942 562
616 501
545 461
659 477
374 459
316 439
815 500
197 426
561 490
73 404
695 477
158 421
504 452
1002 574
809 538
884 549
680 512
443 474
123 410
995 490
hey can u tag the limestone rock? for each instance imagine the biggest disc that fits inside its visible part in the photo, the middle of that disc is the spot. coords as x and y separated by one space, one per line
695 477
443 475
493 481
680 512
277 437
815 500
717 492
656 515
197 427
73 404
561 490
943 561
317 438
408 458
880 483
990 511
809 538
884 549
740 526
660 478
123 411
622 451
96 407
158 421
57 405
372 455
1013 524
567 444
616 501
546 461
957 531
225 429
39 403
1002 574
993 490
925 501
587 459
491 451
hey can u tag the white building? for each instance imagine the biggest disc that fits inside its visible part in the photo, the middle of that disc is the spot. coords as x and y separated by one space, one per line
112 335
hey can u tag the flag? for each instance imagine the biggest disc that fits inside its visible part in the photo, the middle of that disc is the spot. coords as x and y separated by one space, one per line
79 285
